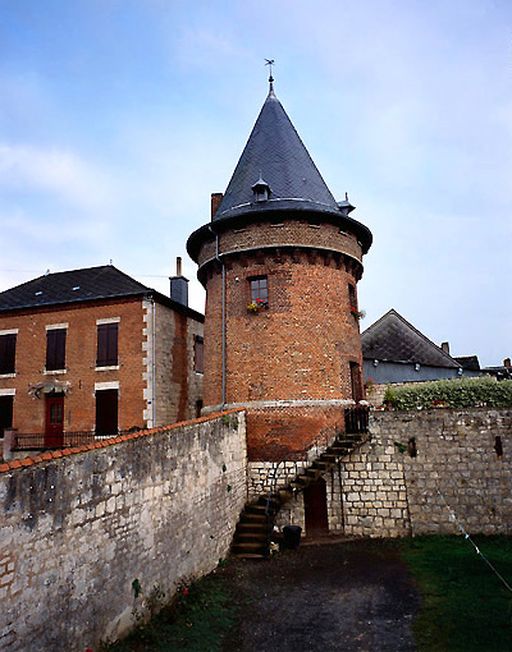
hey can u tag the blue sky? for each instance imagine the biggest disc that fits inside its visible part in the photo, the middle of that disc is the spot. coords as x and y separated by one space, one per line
118 118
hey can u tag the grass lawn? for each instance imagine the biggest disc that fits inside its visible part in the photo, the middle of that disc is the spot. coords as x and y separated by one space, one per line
199 620
464 605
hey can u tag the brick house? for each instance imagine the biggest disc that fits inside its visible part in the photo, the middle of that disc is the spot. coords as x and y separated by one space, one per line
94 350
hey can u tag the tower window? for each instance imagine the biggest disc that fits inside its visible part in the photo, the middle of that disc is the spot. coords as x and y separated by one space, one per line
259 290
352 296
355 381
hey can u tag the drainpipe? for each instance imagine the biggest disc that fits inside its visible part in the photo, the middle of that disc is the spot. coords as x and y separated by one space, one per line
153 362
223 315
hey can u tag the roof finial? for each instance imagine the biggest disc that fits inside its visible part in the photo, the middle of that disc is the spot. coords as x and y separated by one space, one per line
270 63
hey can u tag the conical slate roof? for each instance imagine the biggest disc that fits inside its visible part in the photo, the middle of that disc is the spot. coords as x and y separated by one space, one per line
276 154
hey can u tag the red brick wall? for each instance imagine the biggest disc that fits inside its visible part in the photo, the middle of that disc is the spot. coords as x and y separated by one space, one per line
284 433
299 349
79 404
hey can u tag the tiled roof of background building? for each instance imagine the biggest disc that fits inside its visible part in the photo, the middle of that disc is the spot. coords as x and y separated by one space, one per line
393 339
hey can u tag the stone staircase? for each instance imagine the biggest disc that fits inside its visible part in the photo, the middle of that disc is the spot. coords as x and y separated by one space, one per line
254 530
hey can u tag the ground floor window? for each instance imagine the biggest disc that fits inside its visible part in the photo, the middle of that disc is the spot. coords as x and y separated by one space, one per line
107 411
6 407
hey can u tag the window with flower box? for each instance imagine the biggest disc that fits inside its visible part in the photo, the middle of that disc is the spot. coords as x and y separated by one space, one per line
258 286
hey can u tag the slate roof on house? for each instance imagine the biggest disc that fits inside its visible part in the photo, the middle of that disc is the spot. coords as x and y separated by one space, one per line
72 286
81 285
469 362
393 339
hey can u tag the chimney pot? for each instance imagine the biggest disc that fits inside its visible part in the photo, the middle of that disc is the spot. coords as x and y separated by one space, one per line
178 266
445 346
216 198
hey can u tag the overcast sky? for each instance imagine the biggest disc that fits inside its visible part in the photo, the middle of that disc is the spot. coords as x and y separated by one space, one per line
118 118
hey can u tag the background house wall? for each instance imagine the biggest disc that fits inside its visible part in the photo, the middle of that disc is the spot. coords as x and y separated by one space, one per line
78 528
81 373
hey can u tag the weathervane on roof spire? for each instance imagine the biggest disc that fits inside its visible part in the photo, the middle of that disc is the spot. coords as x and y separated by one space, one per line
270 63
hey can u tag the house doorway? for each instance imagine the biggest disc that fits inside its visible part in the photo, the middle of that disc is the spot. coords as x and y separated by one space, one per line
54 421
315 508
106 412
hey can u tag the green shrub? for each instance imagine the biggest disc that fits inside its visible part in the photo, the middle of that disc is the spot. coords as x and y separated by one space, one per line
455 393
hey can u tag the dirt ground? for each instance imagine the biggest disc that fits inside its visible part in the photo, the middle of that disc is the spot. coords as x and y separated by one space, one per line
341 595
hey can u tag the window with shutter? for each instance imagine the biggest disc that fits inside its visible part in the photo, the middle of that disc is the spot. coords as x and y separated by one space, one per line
107 354
7 353
55 349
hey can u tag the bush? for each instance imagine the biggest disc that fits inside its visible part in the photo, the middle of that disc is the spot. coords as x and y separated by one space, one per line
455 393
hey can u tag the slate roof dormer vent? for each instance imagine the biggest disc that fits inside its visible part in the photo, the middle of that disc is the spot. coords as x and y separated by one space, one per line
261 190
345 206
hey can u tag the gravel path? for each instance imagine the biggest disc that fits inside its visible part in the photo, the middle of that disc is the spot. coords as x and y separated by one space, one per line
352 595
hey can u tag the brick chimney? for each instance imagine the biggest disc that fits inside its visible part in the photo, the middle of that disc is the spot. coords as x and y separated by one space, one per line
216 198
445 346
179 285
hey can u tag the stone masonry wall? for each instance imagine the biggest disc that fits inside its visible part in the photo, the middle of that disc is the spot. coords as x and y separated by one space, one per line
177 386
381 491
456 465
82 528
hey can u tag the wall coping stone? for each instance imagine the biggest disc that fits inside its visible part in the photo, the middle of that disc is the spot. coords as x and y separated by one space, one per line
38 458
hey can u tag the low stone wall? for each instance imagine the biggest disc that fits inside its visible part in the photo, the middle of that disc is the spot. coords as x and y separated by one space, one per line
380 490
456 468
91 536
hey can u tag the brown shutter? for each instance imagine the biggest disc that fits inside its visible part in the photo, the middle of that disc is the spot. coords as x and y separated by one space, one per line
107 345
56 349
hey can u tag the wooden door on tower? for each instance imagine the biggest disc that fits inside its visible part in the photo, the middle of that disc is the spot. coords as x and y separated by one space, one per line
54 424
315 508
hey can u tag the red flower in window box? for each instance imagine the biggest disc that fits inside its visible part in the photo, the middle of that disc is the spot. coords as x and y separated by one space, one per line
257 305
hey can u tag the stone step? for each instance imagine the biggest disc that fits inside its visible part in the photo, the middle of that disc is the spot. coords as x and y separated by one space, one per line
250 548
252 537
253 527
253 518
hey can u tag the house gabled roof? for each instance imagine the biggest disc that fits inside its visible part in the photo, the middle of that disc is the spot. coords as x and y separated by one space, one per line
393 339
91 283
80 285
469 362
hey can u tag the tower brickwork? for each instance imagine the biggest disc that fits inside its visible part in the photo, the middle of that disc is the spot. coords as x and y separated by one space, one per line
280 261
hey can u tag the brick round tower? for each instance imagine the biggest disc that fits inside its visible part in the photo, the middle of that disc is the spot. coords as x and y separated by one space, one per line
280 261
